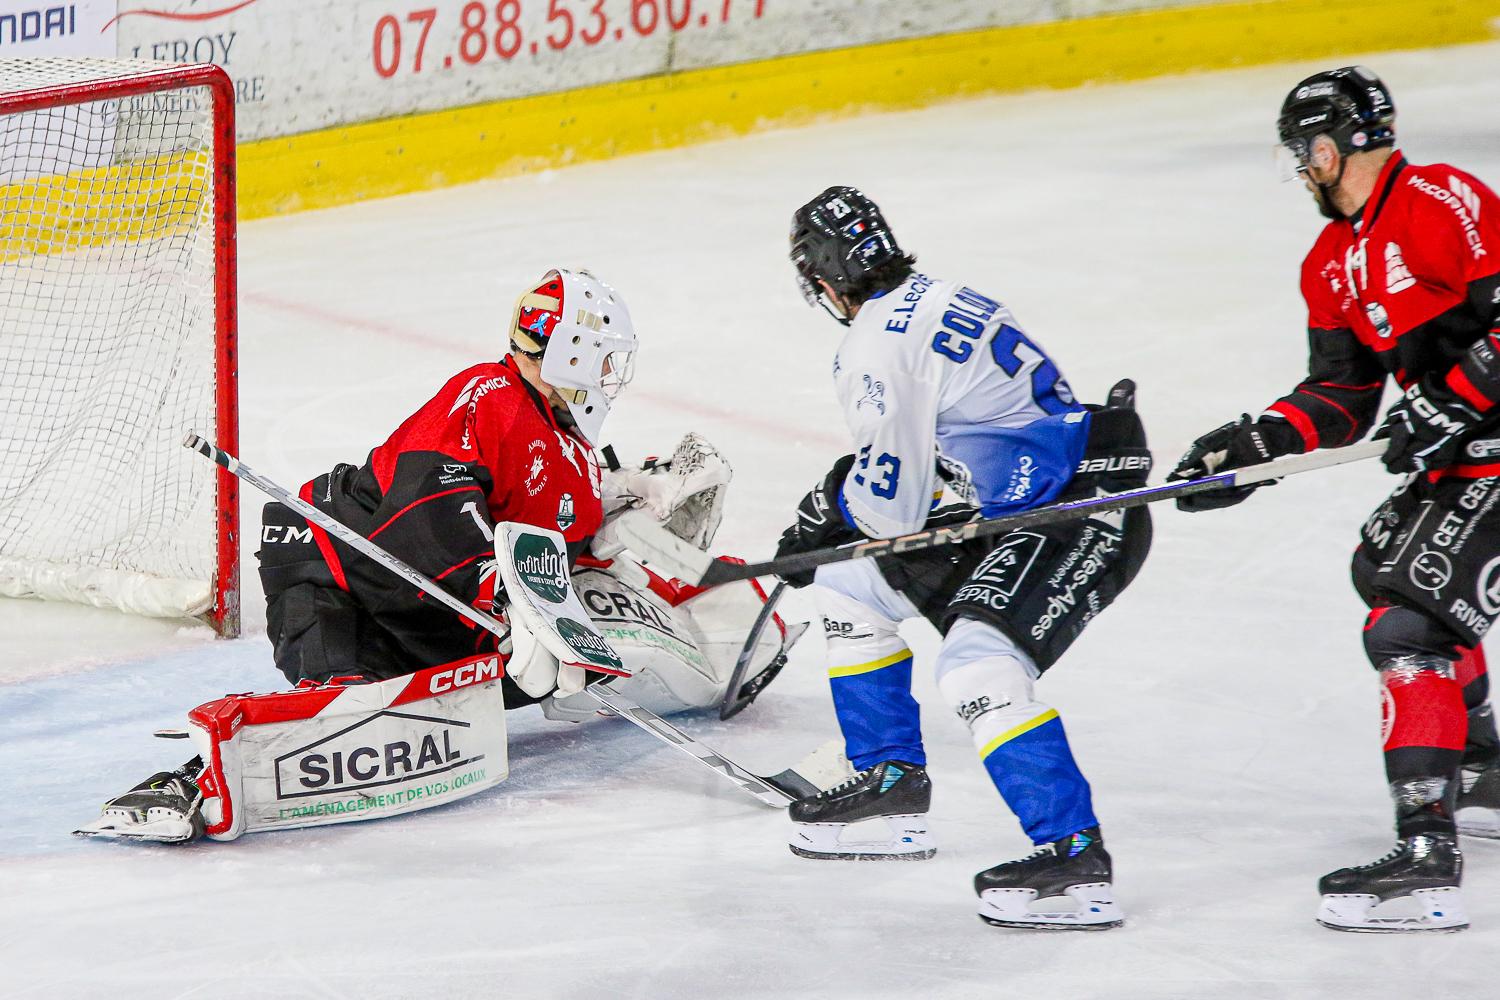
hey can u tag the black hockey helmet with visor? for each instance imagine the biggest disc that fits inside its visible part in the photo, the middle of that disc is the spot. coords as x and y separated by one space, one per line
1349 108
841 238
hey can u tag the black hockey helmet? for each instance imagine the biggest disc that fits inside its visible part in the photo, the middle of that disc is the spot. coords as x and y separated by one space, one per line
1349 105
840 237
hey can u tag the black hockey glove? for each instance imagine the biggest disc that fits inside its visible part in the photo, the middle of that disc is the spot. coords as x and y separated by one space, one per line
1424 426
820 524
1235 445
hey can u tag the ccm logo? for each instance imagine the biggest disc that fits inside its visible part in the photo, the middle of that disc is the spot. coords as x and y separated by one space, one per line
465 675
272 534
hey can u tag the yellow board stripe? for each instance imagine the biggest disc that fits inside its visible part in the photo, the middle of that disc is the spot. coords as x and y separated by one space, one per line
504 138
144 199
871 667
1011 734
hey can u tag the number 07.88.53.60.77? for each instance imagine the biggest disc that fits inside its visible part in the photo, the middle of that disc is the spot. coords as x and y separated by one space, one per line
473 33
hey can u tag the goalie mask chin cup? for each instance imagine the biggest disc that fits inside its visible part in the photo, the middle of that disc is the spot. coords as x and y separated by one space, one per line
581 331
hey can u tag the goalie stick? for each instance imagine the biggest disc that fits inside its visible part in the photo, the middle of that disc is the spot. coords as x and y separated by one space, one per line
776 790
649 541
742 692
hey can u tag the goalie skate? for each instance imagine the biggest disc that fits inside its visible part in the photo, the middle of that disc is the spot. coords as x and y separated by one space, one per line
879 814
166 808
1064 885
1413 888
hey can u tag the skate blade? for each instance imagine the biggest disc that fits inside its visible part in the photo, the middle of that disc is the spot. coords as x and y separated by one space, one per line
159 831
1478 821
1093 909
1420 911
906 838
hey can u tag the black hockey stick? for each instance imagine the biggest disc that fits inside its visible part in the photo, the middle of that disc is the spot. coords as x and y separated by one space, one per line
776 790
649 541
742 692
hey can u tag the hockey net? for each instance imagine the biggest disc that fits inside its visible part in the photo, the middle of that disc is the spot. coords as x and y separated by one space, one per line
117 336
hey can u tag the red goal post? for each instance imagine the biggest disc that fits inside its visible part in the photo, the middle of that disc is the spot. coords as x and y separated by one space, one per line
118 336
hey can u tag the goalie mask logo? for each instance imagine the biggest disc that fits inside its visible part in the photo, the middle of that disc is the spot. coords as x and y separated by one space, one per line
386 748
541 567
565 517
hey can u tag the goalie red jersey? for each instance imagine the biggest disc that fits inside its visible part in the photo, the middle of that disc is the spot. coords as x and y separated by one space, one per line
486 448
1410 287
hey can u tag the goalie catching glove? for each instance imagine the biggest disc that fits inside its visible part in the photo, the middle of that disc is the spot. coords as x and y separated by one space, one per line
685 493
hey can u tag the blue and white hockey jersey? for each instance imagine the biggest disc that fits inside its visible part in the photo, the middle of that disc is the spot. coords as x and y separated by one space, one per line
935 372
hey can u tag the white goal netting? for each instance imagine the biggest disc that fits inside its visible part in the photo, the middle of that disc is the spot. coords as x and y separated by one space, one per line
108 334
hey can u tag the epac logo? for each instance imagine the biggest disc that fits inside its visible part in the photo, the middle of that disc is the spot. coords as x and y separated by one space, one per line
386 748
541 567
588 644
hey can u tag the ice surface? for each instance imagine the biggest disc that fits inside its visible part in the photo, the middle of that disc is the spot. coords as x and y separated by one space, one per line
1223 709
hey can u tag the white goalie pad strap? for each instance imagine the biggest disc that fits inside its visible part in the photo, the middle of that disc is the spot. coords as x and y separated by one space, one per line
337 753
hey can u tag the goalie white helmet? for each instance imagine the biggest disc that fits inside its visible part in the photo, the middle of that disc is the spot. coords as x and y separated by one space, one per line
580 330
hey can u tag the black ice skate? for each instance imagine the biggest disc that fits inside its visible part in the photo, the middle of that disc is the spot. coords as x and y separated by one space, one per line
1478 813
1419 880
880 814
165 808
1064 885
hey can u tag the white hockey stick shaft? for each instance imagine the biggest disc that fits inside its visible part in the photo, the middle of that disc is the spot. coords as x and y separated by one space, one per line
775 791
670 554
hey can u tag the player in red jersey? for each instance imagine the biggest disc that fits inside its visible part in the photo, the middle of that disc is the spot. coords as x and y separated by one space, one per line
1404 282
511 440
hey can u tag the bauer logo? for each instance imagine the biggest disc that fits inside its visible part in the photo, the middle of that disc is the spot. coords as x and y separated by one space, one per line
588 644
541 567
387 748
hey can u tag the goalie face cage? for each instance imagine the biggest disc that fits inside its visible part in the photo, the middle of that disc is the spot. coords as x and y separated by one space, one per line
117 336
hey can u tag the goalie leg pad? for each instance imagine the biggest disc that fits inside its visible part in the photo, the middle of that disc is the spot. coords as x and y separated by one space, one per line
337 753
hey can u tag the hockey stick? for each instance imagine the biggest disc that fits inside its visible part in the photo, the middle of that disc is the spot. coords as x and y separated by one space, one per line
776 790
649 541
740 694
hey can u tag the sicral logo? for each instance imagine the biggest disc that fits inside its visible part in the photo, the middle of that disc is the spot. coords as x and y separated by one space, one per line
362 757
565 516
587 643
541 567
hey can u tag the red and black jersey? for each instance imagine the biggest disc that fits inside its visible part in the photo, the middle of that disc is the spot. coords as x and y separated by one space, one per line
486 448
1411 289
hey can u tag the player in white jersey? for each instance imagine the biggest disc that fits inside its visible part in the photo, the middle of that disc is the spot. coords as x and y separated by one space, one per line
941 388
